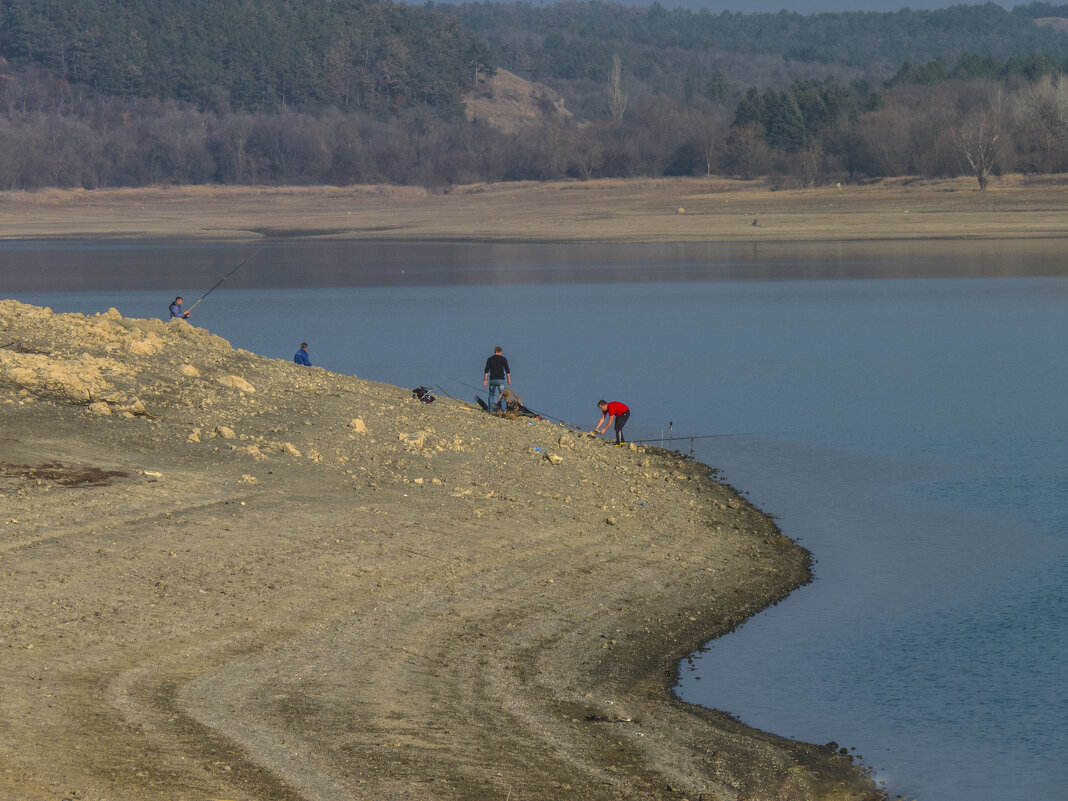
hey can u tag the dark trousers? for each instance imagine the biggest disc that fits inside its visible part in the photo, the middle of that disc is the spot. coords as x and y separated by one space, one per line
621 420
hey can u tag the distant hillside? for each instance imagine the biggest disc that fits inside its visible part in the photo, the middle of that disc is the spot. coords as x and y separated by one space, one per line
1057 23
98 93
507 103
666 48
248 55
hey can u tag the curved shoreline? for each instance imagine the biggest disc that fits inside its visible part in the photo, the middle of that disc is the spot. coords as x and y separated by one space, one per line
224 586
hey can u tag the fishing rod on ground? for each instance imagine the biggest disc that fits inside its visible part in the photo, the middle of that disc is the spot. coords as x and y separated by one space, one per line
678 439
669 438
556 419
238 267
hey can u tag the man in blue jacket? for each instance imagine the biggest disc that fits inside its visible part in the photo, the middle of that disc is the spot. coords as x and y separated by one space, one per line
176 309
301 356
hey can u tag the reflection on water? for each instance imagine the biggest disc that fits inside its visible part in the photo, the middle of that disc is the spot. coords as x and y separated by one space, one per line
910 432
42 266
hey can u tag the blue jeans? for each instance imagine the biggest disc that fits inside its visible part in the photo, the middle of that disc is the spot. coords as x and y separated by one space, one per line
496 385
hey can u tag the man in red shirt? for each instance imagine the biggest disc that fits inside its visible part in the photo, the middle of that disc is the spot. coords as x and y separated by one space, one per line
612 411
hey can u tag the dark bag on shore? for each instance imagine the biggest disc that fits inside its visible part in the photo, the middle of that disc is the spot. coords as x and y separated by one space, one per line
423 394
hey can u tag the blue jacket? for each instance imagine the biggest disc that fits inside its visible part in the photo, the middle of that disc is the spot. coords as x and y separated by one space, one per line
301 357
176 310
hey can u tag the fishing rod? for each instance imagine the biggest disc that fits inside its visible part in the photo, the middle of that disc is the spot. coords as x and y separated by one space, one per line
668 438
534 411
701 436
555 419
238 267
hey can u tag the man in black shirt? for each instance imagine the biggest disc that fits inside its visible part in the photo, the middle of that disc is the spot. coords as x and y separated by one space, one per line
496 376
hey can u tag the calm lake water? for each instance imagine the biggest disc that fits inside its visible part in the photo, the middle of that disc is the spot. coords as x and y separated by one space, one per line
899 408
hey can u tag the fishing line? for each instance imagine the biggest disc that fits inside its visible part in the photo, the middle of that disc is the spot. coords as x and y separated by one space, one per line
238 267
700 436
668 438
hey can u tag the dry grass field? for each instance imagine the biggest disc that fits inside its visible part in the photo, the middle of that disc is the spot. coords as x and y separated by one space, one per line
653 210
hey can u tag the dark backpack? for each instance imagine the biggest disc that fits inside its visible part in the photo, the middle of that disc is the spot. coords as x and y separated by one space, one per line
423 394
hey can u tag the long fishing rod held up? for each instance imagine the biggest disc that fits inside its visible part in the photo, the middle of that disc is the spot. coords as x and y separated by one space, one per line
238 267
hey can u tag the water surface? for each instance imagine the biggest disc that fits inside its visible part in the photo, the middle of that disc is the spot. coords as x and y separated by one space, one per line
899 408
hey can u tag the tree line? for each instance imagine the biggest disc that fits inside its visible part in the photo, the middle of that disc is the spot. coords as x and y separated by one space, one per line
51 134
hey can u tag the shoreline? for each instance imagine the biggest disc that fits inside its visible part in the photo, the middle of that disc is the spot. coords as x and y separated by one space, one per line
662 211
229 576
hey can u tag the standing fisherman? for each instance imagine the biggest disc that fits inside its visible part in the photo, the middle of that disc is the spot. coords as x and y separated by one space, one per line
496 374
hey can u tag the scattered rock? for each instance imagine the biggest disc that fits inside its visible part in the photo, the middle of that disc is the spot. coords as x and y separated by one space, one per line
358 426
413 442
236 382
144 347
225 432
288 448
99 407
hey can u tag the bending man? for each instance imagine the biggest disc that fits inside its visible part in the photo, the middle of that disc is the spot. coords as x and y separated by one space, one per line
613 412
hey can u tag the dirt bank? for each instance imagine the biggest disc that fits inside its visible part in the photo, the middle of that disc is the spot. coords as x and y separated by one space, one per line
660 210
224 576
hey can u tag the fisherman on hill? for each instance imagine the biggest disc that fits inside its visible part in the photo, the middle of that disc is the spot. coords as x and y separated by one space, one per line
176 309
301 356
497 374
614 411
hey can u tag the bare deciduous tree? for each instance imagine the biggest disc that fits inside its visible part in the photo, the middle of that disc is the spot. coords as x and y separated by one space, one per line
617 98
810 162
978 137
746 153
1040 125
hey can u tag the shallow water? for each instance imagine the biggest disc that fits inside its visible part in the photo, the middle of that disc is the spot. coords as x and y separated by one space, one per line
909 429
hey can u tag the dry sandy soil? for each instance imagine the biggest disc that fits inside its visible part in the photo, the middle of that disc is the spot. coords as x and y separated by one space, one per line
224 576
668 210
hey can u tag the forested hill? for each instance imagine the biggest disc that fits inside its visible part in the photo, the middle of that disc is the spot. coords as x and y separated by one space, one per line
134 92
265 55
247 55
572 39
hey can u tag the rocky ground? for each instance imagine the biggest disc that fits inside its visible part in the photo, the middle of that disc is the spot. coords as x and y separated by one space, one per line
224 576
